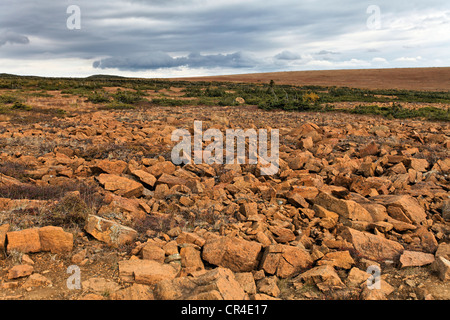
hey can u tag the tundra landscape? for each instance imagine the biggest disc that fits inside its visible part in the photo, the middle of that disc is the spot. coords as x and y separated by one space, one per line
93 207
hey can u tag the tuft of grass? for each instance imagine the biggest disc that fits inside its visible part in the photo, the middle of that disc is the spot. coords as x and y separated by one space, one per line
70 210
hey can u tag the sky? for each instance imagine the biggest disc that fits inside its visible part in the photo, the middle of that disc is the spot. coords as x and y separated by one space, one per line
177 38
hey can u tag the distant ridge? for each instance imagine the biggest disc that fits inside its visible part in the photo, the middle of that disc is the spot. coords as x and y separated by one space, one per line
105 77
417 79
420 79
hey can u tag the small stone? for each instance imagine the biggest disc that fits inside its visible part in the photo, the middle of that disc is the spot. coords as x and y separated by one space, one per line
269 286
79 257
100 285
324 277
138 292
442 266
3 230
415 259
151 251
19 271
120 185
246 281
27 260
147 272
338 259
215 284
37 280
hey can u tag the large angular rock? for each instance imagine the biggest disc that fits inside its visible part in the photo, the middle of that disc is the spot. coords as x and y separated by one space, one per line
100 285
442 266
407 204
7 181
234 253
109 231
285 261
108 166
324 277
151 251
249 209
148 272
309 193
338 259
282 235
3 230
191 259
371 246
36 280
55 239
346 209
446 209
415 259
163 167
170 180
443 250
138 292
145 177
216 284
24 241
369 150
424 240
120 185
420 165
50 238
190 237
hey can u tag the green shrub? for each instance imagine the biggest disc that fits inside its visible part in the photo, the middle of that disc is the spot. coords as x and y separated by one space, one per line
20 106
127 97
98 97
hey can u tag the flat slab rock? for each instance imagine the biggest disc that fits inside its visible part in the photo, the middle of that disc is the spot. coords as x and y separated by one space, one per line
415 259
147 272
371 246
49 238
216 284
285 261
407 204
234 253
109 231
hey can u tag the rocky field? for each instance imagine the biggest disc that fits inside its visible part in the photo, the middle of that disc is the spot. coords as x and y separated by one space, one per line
92 207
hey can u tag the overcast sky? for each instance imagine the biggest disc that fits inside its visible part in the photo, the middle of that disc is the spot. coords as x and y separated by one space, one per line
166 38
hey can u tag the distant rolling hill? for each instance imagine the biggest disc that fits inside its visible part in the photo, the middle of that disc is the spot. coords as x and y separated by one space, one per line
422 79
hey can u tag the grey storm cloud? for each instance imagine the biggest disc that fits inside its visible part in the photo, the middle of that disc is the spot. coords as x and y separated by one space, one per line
161 60
255 35
288 55
13 38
